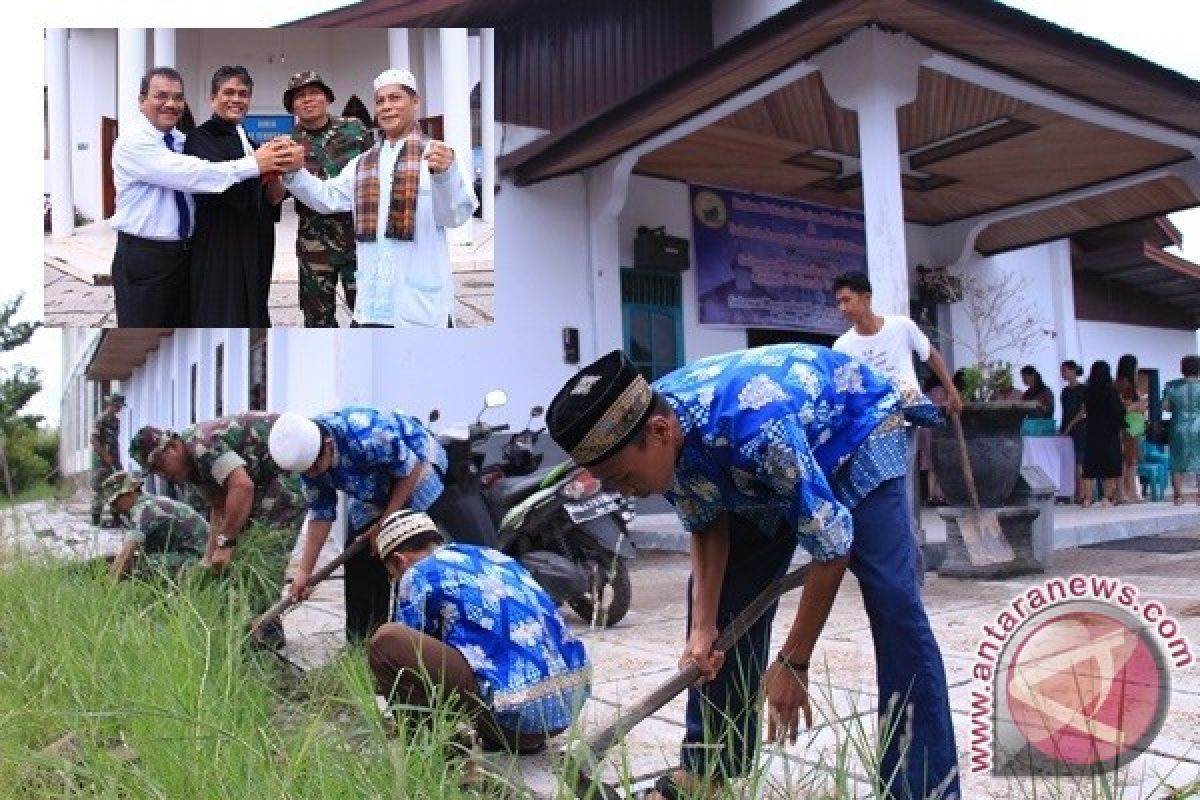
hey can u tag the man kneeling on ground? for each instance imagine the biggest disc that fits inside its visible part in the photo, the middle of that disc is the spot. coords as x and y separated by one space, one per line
471 624
171 532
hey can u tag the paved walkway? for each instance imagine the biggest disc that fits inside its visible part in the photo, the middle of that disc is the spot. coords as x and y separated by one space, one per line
78 286
640 653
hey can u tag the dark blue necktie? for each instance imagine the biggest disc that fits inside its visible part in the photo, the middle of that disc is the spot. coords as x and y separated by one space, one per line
185 226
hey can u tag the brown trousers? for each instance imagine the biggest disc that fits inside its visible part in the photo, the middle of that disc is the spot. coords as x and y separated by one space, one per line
415 669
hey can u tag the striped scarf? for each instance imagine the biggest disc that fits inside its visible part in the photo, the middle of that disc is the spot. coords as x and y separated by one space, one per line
406 181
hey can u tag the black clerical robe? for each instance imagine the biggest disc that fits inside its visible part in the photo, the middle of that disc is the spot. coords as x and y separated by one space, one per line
233 247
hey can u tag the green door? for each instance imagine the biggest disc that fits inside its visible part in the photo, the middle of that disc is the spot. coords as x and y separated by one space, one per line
652 311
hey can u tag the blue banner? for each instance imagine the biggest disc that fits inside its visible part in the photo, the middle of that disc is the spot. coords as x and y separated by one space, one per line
770 262
262 128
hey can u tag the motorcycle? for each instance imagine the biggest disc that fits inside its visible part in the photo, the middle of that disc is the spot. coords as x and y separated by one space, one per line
559 522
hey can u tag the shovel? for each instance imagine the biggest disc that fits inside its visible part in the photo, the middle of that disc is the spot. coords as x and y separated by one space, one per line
581 756
276 611
980 529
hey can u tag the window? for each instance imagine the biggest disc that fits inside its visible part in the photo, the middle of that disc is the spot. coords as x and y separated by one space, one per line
192 394
651 305
257 364
219 381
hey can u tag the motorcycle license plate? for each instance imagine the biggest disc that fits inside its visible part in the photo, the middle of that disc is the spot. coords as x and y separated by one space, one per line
595 506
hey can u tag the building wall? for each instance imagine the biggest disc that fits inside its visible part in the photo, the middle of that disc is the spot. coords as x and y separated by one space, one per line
349 59
1155 348
418 370
93 67
653 202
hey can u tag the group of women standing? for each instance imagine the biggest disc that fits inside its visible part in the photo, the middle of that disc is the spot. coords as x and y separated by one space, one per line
1106 417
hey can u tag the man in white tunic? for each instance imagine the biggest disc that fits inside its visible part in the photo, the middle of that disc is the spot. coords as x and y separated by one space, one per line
403 193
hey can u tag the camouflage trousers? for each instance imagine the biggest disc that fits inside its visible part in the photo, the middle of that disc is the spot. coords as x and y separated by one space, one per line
318 291
97 478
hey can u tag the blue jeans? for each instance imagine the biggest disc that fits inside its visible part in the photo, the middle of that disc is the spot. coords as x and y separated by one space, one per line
723 726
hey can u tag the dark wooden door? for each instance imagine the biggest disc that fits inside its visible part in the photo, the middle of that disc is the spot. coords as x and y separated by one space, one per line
108 138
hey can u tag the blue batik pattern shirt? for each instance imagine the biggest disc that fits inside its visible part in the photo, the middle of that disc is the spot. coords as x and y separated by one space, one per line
371 448
786 433
532 672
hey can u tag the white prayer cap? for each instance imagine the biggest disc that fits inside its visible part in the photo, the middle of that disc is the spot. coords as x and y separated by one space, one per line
294 442
403 77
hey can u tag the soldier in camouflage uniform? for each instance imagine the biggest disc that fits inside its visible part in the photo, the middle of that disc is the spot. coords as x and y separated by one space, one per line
106 450
226 460
169 531
324 242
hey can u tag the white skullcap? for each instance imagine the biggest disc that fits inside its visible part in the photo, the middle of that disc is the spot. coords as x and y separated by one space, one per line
403 77
295 442
400 527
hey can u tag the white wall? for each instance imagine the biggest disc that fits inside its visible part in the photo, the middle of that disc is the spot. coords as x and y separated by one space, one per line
541 287
1045 268
653 202
1155 348
347 58
93 69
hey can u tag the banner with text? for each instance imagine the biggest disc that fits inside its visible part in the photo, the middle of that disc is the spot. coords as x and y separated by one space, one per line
770 262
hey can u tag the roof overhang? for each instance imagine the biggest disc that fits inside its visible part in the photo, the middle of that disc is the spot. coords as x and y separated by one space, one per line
994 135
1133 256
122 350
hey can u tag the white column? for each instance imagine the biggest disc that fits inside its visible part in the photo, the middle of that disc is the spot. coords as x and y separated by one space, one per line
164 47
875 73
131 66
456 98
607 187
398 48
487 121
58 77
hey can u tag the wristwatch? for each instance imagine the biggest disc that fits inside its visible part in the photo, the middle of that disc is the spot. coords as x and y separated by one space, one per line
225 542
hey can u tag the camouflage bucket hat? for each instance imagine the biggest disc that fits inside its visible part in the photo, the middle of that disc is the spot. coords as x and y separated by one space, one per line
147 443
116 485
116 397
301 79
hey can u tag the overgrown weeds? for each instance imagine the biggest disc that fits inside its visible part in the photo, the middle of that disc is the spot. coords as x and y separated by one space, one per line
150 688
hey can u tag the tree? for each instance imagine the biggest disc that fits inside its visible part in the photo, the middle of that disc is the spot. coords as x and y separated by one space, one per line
1002 318
19 383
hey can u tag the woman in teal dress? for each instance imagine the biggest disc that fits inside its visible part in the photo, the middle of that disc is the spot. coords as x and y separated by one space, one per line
1182 399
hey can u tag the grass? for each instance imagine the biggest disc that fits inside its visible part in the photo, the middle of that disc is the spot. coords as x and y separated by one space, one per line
148 689
40 492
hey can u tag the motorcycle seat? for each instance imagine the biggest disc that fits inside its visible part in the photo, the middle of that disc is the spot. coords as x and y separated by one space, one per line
508 492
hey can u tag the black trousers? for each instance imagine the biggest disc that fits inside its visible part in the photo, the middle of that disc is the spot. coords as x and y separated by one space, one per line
366 584
150 282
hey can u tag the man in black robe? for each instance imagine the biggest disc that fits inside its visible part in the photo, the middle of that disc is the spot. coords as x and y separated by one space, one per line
233 249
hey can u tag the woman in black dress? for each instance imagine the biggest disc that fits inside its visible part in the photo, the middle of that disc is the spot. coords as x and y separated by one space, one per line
1105 415
1072 402
233 250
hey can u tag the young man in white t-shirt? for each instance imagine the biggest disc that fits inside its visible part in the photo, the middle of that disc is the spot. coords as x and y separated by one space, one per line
887 343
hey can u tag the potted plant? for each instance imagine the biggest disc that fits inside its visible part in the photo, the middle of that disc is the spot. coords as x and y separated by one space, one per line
1000 319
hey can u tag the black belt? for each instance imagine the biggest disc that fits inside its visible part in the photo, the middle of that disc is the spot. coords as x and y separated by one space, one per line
166 246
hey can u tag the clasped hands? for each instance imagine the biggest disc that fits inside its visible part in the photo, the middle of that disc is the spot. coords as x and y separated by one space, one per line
279 155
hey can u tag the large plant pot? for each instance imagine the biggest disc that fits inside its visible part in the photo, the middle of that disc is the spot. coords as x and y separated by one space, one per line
993 434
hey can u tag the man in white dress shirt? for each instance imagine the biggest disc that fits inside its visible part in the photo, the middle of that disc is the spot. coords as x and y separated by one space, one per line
403 193
887 343
155 214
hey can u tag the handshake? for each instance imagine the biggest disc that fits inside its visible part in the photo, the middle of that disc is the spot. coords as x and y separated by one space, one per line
279 155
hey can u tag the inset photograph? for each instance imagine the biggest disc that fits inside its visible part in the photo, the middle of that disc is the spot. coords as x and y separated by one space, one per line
249 178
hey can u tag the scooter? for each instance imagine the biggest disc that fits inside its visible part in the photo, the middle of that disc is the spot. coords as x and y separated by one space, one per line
559 523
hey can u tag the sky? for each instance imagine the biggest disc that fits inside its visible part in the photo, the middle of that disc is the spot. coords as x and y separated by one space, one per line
1162 31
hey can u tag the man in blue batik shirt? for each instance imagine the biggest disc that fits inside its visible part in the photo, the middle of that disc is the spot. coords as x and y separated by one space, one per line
471 624
384 461
760 450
